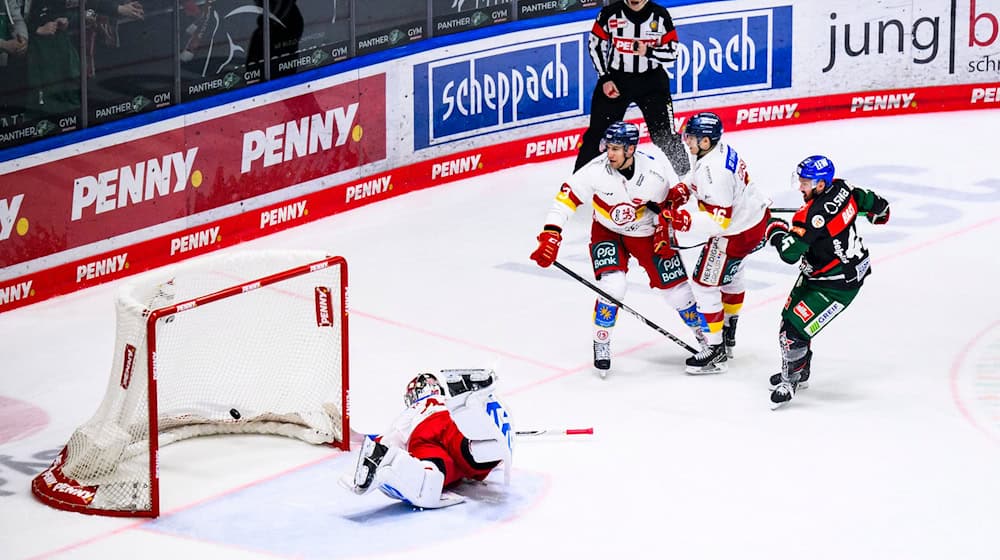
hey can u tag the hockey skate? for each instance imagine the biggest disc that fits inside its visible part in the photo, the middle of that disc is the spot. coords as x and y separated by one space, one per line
729 335
463 380
371 455
782 394
803 383
602 357
709 360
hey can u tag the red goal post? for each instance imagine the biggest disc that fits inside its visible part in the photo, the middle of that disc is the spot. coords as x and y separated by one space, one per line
249 342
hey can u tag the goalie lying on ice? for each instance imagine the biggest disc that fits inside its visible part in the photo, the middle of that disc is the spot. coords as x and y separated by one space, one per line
443 437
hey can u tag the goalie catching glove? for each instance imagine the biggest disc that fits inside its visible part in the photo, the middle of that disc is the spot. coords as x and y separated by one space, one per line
548 246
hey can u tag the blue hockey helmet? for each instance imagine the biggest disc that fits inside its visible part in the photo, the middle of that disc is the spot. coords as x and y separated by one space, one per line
707 125
621 134
816 168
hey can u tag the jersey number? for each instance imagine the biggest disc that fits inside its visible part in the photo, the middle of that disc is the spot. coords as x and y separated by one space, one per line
854 246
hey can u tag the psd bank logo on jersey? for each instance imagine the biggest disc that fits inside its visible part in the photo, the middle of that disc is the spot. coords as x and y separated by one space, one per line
479 93
733 52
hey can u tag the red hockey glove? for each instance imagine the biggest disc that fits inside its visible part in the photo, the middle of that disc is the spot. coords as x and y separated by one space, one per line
548 246
678 195
680 219
775 231
661 239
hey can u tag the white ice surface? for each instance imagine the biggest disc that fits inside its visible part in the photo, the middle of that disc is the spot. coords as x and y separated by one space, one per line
893 451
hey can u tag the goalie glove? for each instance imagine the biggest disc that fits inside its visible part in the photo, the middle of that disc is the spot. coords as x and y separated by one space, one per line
776 230
548 246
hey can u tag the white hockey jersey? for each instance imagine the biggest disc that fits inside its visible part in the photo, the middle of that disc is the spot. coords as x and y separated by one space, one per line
619 203
402 427
726 201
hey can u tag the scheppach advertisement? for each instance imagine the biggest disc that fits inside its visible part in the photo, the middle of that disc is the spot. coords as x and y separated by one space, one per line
108 207
51 208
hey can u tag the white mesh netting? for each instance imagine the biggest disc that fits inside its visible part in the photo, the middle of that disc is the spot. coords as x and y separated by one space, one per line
266 360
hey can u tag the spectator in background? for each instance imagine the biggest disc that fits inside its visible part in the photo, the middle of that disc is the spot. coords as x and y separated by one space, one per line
13 47
53 60
103 17
129 10
13 31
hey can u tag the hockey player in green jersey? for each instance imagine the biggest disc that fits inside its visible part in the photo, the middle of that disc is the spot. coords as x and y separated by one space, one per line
833 262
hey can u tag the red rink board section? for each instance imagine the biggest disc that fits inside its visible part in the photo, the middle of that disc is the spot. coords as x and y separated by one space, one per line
93 196
111 265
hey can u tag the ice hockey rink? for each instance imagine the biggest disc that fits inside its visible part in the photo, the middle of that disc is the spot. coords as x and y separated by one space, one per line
892 452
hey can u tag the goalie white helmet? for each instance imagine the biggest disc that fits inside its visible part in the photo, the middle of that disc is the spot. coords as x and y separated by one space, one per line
421 387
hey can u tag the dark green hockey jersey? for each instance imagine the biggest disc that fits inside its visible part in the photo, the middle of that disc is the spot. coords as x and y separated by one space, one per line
823 237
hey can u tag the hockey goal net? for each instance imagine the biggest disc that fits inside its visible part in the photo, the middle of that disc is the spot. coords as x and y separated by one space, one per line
237 343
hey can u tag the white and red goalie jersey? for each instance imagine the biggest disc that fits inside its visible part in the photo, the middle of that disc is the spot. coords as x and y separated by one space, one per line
619 203
402 427
727 200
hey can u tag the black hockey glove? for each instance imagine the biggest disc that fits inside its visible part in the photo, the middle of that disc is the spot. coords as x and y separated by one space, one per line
776 230
879 214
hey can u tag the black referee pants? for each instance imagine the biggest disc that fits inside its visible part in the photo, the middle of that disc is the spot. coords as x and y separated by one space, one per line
650 91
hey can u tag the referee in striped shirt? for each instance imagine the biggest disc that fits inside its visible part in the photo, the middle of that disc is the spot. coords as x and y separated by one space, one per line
630 43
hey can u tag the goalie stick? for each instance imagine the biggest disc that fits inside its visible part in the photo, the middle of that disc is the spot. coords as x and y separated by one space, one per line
555 432
634 313
357 437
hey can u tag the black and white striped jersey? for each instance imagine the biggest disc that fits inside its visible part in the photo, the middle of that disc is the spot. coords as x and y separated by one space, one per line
615 38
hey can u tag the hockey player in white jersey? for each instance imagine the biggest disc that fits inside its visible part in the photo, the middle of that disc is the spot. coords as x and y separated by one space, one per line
442 438
725 221
620 184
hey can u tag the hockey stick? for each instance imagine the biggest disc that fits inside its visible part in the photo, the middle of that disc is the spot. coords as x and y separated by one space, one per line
784 210
555 432
615 301
357 437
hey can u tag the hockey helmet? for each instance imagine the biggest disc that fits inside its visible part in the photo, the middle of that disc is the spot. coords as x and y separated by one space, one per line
620 133
704 125
421 387
816 168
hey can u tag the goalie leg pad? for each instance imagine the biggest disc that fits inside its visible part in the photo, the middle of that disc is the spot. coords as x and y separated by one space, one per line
484 455
483 418
415 482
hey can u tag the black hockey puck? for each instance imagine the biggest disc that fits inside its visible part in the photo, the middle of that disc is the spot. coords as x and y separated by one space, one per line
234 413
